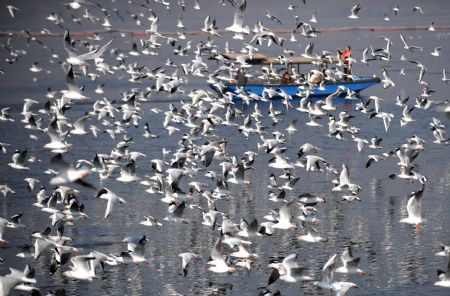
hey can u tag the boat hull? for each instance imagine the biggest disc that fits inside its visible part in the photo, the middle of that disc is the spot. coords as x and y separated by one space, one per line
357 85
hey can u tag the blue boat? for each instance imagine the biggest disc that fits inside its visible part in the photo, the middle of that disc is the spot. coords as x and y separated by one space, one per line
292 89
257 87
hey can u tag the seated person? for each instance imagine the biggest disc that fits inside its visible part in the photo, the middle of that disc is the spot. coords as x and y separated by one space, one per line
286 78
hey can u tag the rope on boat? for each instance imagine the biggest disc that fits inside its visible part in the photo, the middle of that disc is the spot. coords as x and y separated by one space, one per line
140 33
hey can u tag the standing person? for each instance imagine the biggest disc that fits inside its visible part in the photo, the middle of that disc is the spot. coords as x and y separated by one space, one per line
346 55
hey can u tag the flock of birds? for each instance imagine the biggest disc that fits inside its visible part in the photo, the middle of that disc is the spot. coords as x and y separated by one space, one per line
201 171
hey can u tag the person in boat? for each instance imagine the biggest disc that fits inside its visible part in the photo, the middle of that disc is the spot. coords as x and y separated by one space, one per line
240 77
346 55
286 78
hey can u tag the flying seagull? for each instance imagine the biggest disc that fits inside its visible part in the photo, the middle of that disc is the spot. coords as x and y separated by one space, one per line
355 10
238 22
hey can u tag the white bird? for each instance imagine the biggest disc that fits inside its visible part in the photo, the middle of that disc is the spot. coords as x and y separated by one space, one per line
444 277
244 253
68 173
284 221
314 17
386 80
355 10
341 288
312 235
401 101
5 116
288 271
344 182
313 163
4 223
280 162
307 148
444 76
186 258
5 190
387 118
80 59
375 143
151 221
112 199
27 105
272 17
238 21
436 51
439 136
408 47
56 139
414 209
360 142
31 183
444 252
79 128
81 268
421 72
128 172
418 8
218 262
406 116
349 263
327 274
136 248
18 160
12 10
365 59
12 280
73 92
373 158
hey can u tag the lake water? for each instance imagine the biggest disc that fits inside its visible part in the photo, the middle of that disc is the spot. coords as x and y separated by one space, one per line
396 259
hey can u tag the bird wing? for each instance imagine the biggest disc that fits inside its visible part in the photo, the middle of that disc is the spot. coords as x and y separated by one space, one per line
20 158
52 131
79 124
403 40
94 54
82 262
414 206
3 223
112 200
285 212
70 80
344 177
216 252
68 44
328 269
239 14
290 262
139 250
